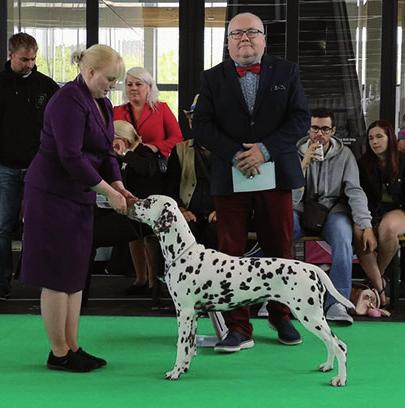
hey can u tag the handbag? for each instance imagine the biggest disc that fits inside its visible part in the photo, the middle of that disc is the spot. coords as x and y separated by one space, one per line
314 217
160 159
367 302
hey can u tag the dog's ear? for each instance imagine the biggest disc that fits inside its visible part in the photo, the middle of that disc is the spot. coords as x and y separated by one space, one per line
164 222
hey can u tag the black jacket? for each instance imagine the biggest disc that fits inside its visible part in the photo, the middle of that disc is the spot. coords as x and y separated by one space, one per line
222 121
22 105
372 185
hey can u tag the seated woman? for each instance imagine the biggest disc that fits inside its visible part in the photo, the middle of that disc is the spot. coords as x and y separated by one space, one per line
187 181
382 171
110 228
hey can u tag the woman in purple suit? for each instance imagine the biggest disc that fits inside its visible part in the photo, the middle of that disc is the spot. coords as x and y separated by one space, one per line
75 160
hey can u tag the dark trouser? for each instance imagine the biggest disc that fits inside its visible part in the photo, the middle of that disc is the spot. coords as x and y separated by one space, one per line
273 220
205 232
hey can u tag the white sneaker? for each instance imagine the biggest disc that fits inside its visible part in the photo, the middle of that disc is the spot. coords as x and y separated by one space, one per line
338 313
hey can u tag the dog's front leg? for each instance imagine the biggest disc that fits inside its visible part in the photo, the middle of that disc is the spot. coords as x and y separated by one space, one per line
186 322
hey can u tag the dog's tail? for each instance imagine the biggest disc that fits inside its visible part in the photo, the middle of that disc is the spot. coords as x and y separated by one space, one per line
331 288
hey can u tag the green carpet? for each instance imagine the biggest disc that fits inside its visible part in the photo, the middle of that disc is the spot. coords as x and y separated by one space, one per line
140 349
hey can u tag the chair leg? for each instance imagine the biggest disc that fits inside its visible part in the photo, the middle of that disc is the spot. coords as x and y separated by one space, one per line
394 273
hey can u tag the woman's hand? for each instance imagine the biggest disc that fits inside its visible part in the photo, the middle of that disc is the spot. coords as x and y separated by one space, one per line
188 215
119 186
117 201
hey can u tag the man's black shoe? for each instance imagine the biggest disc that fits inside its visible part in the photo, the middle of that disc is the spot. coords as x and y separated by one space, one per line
287 333
71 362
234 341
100 362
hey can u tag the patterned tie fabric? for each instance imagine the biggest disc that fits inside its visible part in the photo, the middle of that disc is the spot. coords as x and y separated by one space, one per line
249 84
255 68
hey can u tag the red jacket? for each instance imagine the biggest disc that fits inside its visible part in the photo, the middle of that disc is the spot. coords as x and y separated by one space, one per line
158 127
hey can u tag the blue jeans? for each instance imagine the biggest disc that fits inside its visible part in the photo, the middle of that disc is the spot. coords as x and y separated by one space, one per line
11 187
337 232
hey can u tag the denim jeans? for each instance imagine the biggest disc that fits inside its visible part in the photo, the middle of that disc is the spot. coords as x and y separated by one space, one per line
11 187
337 232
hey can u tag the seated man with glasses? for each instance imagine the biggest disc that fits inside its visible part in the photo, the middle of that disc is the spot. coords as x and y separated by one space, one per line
332 179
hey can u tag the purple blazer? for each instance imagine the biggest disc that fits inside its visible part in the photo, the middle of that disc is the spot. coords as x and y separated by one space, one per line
76 145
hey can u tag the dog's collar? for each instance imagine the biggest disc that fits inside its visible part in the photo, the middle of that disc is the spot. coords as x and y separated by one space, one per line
168 266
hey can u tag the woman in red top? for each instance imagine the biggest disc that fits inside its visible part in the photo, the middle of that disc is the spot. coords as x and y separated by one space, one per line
159 132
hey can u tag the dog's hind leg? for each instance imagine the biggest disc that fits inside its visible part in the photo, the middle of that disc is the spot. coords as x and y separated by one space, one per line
186 322
335 347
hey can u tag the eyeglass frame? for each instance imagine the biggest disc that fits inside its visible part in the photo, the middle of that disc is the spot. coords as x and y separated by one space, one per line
254 31
324 129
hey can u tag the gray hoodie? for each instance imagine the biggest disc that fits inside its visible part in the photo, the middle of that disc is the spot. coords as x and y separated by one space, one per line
339 177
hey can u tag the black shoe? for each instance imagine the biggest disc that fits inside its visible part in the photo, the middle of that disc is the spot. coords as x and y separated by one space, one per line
287 333
100 362
234 341
4 294
138 290
71 362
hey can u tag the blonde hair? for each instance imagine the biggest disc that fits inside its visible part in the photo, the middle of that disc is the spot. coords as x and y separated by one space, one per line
144 75
124 130
99 56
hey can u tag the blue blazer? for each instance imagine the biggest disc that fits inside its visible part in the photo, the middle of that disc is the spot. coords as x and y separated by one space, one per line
76 145
222 121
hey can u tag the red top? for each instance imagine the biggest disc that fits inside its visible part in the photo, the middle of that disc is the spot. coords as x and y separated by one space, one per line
158 127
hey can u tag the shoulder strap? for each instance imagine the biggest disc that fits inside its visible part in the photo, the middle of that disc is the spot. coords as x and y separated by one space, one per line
131 115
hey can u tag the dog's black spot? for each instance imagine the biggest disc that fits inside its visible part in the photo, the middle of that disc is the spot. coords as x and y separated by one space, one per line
202 256
313 275
279 271
248 280
207 285
228 275
319 328
284 279
256 288
305 319
243 286
197 291
313 288
311 301
189 269
215 261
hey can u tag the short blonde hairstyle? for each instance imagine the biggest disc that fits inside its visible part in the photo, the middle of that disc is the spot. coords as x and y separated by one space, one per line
124 130
100 56
144 75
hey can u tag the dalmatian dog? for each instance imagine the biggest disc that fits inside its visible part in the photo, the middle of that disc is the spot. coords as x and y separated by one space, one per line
202 280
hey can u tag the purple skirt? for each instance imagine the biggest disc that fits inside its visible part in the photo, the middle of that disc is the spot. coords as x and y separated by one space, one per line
57 241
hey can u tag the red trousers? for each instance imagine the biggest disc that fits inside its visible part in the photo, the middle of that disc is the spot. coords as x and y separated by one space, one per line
272 215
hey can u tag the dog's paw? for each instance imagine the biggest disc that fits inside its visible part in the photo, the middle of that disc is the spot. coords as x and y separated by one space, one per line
338 382
325 367
173 375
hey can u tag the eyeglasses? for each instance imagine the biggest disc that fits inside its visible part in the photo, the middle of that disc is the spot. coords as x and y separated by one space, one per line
324 129
250 32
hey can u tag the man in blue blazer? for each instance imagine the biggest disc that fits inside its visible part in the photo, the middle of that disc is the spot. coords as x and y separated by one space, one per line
251 110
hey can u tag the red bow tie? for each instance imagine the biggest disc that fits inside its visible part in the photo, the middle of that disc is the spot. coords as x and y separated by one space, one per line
255 68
